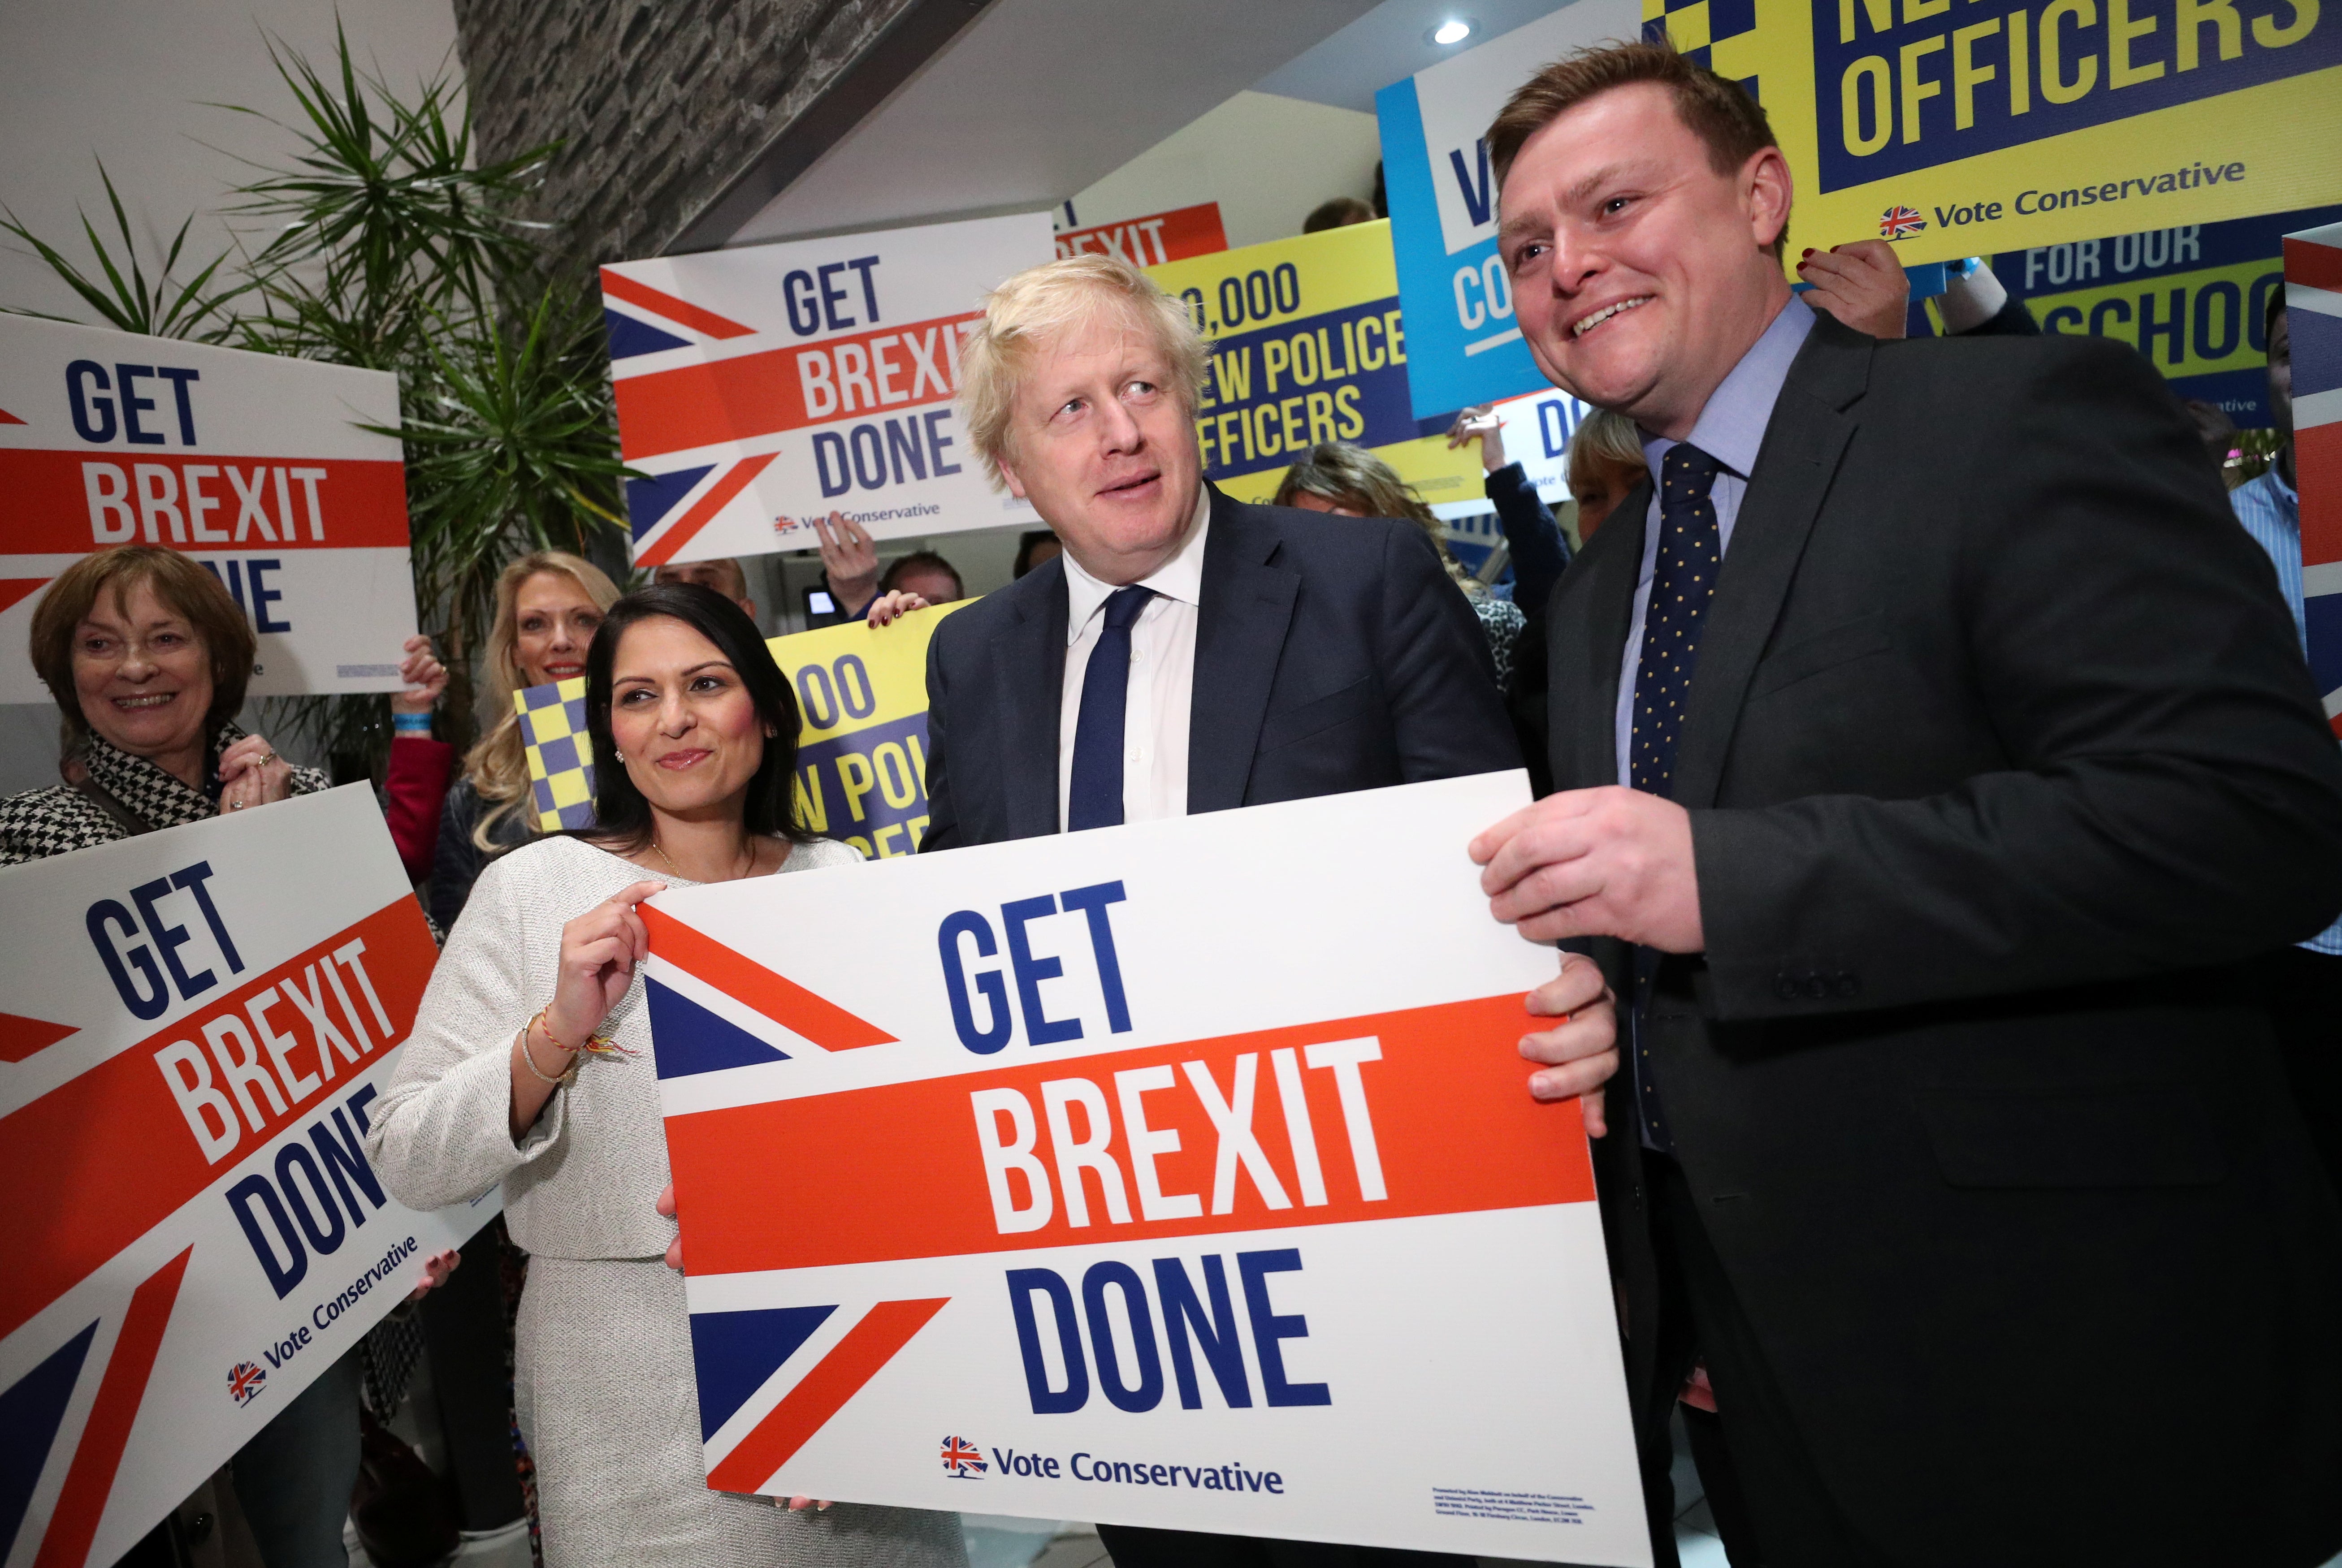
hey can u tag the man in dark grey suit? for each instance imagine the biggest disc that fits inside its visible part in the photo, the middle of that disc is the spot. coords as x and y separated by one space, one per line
1189 653
1970 757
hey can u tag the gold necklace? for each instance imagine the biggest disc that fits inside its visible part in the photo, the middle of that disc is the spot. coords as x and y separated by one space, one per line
674 870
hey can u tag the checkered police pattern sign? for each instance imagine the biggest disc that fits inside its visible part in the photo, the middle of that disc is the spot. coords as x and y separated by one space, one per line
560 757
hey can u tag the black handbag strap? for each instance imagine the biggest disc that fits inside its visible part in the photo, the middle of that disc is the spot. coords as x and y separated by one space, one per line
129 821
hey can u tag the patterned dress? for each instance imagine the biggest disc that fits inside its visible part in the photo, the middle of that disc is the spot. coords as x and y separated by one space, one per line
41 823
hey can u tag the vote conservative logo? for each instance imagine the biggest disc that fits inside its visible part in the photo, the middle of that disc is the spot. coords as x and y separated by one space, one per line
963 1460
245 1381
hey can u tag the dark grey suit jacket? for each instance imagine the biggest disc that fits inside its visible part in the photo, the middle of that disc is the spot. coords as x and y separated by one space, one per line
1332 653
2000 754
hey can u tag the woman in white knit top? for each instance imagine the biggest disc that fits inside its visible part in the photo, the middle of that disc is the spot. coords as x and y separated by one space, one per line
530 1065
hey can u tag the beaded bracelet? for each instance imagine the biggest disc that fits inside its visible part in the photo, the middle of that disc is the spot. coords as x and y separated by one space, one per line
410 724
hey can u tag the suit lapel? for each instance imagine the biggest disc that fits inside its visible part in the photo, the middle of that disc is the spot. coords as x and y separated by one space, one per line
1803 442
1033 675
1584 680
1240 626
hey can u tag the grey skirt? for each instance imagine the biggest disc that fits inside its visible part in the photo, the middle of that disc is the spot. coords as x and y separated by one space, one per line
607 1405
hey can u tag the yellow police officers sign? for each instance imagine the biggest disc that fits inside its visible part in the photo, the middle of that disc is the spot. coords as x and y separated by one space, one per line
861 758
1962 127
1307 347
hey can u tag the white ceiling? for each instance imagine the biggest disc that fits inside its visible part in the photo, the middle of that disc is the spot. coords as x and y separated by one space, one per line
1389 42
1038 99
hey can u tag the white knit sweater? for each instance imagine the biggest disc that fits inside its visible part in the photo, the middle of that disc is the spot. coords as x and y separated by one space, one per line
582 1184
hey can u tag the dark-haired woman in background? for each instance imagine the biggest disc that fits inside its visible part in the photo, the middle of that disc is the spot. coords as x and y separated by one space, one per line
530 1065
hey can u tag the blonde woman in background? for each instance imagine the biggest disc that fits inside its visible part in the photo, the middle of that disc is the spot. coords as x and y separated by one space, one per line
1351 482
1606 463
548 605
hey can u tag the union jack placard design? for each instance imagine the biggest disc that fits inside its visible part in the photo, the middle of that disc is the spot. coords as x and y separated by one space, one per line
1899 223
1099 1145
2313 295
245 1379
762 387
193 1209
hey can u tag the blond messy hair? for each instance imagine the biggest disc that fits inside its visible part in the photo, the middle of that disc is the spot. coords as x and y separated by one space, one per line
1040 304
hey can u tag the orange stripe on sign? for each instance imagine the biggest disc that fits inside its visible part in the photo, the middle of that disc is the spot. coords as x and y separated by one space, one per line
2317 451
2318 266
838 1377
899 1170
618 286
884 371
704 510
90 1480
69 503
778 997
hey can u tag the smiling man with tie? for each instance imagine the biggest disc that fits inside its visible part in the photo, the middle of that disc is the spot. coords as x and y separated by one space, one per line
1929 762
1191 653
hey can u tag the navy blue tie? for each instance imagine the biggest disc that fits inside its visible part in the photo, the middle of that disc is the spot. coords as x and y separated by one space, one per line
1093 799
1691 555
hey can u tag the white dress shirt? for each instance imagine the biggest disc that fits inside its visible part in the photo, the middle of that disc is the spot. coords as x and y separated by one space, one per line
1162 678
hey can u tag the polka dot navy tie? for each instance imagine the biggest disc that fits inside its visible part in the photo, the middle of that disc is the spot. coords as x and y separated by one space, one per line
1691 552
1683 581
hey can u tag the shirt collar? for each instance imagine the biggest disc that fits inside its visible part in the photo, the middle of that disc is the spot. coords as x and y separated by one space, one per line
1181 577
2278 483
1731 427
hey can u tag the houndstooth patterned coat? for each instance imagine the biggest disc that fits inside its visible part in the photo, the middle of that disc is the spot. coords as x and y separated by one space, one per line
45 822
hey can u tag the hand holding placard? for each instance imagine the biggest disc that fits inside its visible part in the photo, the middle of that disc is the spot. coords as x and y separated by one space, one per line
599 951
1582 1050
1610 861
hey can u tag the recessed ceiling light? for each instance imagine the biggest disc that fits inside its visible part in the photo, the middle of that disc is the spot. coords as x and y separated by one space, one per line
1454 30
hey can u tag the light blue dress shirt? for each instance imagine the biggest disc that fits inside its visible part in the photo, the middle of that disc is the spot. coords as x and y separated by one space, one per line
1730 429
2271 510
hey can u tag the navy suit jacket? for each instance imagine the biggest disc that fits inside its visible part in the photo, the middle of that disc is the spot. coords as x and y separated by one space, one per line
1332 653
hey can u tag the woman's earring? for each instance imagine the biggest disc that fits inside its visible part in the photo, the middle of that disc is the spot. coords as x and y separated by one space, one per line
620 755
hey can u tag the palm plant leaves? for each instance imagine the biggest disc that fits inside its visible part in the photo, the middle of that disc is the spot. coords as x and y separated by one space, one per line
163 308
512 423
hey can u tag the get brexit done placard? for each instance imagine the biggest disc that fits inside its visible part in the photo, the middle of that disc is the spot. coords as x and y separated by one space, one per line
195 1026
1180 1173
258 466
786 381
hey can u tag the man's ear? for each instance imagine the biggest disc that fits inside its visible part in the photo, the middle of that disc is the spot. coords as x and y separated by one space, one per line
1767 192
1016 485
